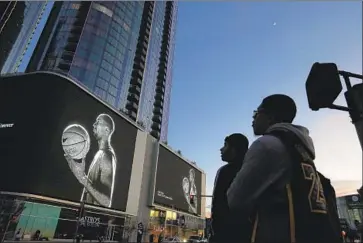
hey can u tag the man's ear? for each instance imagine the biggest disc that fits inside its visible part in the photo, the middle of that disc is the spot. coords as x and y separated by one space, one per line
271 120
233 151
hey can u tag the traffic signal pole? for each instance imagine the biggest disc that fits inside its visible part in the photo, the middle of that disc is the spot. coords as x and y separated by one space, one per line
354 98
323 86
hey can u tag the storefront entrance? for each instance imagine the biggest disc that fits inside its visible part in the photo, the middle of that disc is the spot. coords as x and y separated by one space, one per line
43 221
168 224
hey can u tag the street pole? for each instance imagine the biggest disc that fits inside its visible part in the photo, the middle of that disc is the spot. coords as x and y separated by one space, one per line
80 213
7 227
354 98
81 210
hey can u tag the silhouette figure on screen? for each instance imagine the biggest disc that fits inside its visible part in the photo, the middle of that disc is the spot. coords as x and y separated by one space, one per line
190 189
99 181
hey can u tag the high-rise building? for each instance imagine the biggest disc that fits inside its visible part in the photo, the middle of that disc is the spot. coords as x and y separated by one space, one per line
19 24
121 51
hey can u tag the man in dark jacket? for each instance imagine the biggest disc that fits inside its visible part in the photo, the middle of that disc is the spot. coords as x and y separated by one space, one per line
233 152
284 192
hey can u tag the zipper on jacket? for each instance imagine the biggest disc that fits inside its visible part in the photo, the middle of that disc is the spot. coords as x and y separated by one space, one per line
291 214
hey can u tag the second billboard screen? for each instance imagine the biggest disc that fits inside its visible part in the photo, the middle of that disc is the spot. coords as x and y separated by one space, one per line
176 181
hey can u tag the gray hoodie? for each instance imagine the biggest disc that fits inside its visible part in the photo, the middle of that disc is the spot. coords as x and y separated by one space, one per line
260 185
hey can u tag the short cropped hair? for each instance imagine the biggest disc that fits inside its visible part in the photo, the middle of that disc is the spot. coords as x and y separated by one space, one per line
280 106
237 141
109 121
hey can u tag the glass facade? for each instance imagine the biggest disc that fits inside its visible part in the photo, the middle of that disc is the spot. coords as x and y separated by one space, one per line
96 43
103 61
151 68
25 22
101 58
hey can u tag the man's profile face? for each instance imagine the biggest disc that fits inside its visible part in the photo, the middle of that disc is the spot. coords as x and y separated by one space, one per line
227 153
100 129
261 122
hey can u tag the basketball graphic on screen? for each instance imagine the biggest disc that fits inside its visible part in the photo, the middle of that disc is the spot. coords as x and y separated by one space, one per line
75 141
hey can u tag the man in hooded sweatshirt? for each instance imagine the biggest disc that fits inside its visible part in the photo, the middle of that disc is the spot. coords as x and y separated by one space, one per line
233 152
283 193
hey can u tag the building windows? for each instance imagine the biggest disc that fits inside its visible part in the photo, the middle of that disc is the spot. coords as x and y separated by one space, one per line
89 79
110 48
118 64
100 92
112 89
111 100
95 58
91 66
116 72
106 65
112 40
82 53
113 34
108 57
100 42
114 81
125 35
104 74
102 9
102 84
100 32
75 6
75 72
126 26
79 62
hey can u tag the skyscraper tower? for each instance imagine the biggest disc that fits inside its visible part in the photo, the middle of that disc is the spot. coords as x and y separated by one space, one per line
121 51
19 21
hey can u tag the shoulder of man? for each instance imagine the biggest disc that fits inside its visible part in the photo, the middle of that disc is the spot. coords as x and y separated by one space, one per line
267 142
269 151
223 171
219 172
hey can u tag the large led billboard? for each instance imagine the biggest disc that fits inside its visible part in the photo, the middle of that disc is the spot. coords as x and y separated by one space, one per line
57 140
176 180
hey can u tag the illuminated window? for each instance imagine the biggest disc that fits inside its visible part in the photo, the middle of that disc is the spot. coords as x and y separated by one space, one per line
75 5
102 9
170 215
126 26
154 213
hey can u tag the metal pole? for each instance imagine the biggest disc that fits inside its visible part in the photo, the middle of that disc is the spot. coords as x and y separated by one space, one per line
81 209
7 227
354 98
359 128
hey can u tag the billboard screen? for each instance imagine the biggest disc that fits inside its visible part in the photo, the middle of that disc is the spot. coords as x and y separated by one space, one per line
59 141
175 181
354 201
